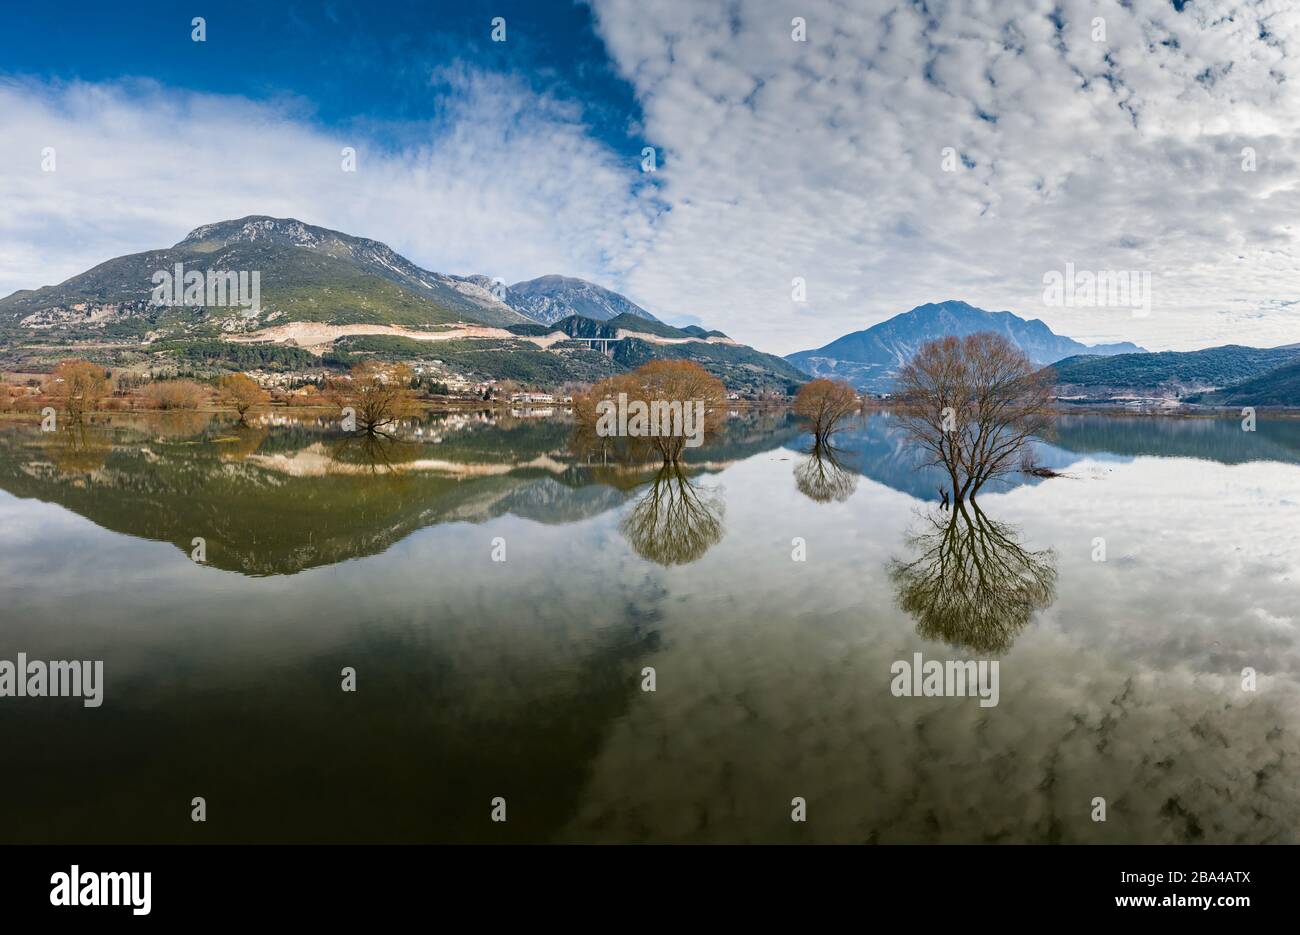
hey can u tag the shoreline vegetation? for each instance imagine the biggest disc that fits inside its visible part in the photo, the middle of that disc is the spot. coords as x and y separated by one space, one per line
140 406
378 391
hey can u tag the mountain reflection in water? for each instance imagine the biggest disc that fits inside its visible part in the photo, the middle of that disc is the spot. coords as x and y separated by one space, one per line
523 678
281 495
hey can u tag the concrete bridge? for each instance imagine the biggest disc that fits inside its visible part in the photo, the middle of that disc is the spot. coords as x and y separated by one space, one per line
604 345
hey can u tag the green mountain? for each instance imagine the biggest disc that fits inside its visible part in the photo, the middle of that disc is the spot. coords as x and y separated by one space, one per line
579 326
740 367
1167 373
1277 387
373 302
305 273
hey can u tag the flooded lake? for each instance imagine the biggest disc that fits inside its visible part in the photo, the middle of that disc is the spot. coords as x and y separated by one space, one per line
502 599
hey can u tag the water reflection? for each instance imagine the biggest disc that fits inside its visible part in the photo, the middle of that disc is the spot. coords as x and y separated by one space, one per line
179 423
288 493
676 520
822 476
971 585
521 679
377 453
243 441
78 448
877 447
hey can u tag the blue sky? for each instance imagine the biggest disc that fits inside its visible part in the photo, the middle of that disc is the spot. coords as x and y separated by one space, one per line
349 60
1120 148
348 63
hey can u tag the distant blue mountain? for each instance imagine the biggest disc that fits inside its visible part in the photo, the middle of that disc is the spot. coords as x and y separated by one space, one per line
869 359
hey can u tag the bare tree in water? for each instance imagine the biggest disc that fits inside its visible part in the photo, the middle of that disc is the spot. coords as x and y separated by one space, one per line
825 403
380 395
972 405
672 385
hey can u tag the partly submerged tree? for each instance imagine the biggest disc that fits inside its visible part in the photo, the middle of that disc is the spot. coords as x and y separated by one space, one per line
972 405
79 386
240 392
379 394
825 403
650 413
972 584
676 521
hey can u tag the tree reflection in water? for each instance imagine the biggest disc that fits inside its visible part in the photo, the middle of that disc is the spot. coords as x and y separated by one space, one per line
377 454
676 521
78 448
178 423
822 477
242 442
972 585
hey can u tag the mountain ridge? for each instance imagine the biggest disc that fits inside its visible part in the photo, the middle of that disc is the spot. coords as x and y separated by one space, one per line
1277 387
1172 374
552 297
327 297
870 358
121 287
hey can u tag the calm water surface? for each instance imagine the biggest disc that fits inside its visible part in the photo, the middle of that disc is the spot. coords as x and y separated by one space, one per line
522 678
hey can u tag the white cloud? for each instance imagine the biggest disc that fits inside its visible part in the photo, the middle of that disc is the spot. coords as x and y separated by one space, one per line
777 159
489 189
823 160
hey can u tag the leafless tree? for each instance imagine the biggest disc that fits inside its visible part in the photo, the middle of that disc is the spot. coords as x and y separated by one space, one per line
674 384
972 405
380 395
241 392
79 385
175 394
